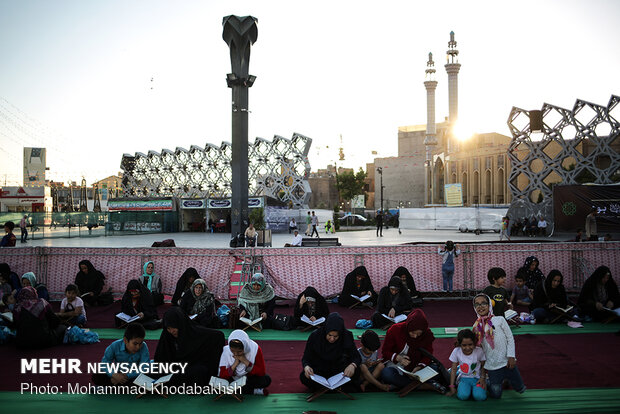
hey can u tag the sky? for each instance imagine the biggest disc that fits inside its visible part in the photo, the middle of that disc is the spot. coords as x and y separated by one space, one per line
91 80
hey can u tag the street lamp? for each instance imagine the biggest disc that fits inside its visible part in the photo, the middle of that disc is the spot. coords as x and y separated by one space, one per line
380 171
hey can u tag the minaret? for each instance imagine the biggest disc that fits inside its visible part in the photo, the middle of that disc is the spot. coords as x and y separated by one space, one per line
431 140
452 67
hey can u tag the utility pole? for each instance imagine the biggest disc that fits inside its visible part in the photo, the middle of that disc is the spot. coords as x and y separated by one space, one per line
380 171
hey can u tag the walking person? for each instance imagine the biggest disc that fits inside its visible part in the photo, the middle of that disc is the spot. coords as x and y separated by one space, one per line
379 220
504 230
315 225
308 224
23 224
591 231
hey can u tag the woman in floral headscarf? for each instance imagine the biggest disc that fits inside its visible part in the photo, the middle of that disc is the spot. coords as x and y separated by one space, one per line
200 302
496 339
257 300
36 324
151 280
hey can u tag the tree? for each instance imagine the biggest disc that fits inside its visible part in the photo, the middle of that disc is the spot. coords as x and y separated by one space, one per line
257 217
350 184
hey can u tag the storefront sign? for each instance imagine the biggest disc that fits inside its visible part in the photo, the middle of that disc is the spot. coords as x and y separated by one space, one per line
253 202
140 205
190 204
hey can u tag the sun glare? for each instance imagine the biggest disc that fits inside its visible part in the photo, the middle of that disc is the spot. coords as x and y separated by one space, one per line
462 131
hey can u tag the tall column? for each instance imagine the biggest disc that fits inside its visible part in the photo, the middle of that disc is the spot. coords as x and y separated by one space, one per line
452 67
430 142
239 34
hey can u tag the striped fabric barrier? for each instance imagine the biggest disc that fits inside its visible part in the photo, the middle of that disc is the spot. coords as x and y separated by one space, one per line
292 269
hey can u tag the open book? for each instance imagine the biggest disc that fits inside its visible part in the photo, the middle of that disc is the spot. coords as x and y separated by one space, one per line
307 320
193 316
509 314
363 298
395 319
86 294
227 387
422 375
148 382
126 318
616 311
7 315
565 310
332 382
249 321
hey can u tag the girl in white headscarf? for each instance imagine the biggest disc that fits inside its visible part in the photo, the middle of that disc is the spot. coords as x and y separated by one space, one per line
242 357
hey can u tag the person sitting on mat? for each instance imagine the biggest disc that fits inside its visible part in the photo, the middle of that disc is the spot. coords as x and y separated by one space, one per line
548 295
257 300
29 279
401 347
393 300
496 339
532 274
183 341
371 366
11 276
152 281
183 284
90 282
330 350
132 349
357 283
72 310
242 357
599 292
408 282
496 291
137 300
521 295
312 304
34 321
202 303
468 361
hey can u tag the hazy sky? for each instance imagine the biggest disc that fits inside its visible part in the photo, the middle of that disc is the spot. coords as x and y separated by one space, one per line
91 80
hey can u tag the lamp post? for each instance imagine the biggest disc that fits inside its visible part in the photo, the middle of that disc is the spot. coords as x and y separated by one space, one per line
239 34
380 171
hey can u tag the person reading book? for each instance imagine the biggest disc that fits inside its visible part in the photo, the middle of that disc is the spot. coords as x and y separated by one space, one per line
549 298
408 282
242 357
394 300
468 362
498 344
402 347
357 283
90 282
330 350
184 341
311 304
131 349
137 301
200 302
371 366
72 311
599 295
257 300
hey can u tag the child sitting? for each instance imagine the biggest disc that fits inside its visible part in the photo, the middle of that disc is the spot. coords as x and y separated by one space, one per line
496 339
371 366
131 349
72 311
243 357
8 300
521 294
469 358
496 291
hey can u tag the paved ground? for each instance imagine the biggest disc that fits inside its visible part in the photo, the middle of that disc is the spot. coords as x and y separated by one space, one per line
390 237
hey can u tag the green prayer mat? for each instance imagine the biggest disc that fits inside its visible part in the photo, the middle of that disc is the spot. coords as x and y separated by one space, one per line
296 335
578 400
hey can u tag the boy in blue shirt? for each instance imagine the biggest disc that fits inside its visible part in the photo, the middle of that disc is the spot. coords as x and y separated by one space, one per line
131 349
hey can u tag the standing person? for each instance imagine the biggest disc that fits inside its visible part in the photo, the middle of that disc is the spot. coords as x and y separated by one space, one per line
504 231
496 291
308 224
23 223
449 252
9 238
315 225
379 220
496 339
591 231
542 226
292 225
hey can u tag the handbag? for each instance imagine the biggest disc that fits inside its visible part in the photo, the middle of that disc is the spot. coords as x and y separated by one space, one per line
282 322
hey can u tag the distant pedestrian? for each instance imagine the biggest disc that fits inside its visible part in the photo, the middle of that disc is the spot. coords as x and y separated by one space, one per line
504 230
379 220
542 226
315 224
448 253
23 224
308 224
292 225
591 231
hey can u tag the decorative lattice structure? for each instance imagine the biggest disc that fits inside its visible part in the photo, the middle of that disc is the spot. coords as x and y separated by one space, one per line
278 168
575 146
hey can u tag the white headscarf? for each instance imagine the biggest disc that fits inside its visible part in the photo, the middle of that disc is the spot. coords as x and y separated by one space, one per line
250 349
